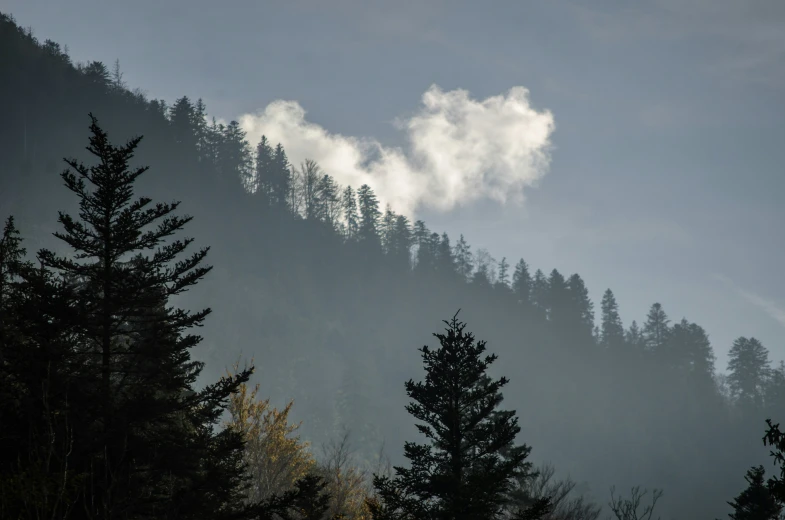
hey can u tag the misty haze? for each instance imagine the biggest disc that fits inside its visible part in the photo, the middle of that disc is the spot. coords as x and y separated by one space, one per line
392 260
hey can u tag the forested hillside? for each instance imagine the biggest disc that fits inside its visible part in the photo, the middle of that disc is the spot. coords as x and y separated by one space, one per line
332 295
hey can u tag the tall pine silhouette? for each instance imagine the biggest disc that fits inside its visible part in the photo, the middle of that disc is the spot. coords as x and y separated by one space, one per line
470 464
146 436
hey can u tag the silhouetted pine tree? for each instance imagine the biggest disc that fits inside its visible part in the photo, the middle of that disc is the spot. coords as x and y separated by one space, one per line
522 283
146 437
748 370
425 261
579 311
445 261
656 331
634 337
611 328
350 215
370 219
328 202
182 119
757 501
471 463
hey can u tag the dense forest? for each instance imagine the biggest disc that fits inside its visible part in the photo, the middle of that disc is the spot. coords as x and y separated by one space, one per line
291 402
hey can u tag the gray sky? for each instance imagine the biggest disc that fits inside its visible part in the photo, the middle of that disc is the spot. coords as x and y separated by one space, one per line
667 173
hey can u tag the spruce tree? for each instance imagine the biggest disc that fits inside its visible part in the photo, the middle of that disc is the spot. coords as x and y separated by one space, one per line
328 196
579 311
748 370
350 216
522 283
612 330
263 170
757 502
182 119
656 331
370 219
146 437
539 292
425 257
445 261
470 463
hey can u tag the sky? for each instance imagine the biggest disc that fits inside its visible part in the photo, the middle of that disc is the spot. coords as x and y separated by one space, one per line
640 144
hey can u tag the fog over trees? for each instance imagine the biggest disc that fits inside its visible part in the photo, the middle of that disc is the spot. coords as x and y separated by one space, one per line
191 326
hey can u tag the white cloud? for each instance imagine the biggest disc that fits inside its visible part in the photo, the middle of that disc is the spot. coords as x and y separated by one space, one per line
458 149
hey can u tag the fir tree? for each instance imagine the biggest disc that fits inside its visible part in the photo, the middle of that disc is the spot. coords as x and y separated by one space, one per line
522 283
634 337
328 196
370 217
350 216
748 369
234 155
263 170
471 464
539 292
612 330
757 501
580 311
425 259
445 261
557 303
656 331
182 119
146 437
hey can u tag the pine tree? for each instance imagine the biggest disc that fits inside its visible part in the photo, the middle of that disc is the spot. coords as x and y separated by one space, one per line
471 463
234 155
328 196
748 369
522 283
557 302
656 331
282 182
370 217
200 128
388 229
634 337
350 215
445 261
689 351
310 174
263 171
182 118
425 259
612 329
146 437
757 501
400 243
539 292
580 311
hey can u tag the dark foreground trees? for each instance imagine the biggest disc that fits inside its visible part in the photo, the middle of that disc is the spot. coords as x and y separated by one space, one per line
101 417
470 464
